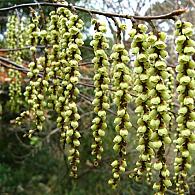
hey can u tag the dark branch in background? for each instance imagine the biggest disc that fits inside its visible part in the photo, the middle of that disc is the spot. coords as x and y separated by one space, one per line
6 63
12 65
38 46
16 66
118 32
85 63
170 15
19 49
24 69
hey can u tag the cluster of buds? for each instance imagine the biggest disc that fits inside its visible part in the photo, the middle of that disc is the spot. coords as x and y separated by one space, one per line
101 81
121 74
159 117
33 73
15 91
53 58
60 65
73 56
34 70
10 34
140 49
40 88
40 84
63 38
64 35
185 141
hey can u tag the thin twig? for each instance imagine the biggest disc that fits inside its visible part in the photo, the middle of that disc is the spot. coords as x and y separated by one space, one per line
38 46
21 68
5 62
19 49
170 15
85 63
5 65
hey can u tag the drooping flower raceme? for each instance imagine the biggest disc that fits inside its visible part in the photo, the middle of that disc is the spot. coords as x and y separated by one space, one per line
121 83
73 53
53 69
185 141
64 35
159 117
12 42
33 74
140 49
101 81
40 84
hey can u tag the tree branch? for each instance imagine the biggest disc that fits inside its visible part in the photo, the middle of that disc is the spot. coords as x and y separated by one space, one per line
4 62
19 49
38 46
17 67
170 15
